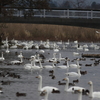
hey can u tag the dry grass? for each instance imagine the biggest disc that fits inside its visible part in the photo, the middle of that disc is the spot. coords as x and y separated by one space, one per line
52 32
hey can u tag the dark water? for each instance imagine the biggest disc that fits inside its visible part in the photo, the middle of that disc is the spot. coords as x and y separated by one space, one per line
29 84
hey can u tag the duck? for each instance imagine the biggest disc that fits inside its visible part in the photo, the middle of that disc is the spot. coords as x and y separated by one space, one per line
20 94
59 83
93 94
2 57
49 89
83 72
75 81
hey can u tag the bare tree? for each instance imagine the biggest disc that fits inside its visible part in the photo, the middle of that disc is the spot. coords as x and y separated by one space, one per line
78 3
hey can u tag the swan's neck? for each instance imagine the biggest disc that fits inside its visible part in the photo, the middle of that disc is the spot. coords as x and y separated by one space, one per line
77 63
2 55
91 90
60 56
54 56
67 66
46 96
21 59
53 65
40 84
40 64
80 96
79 71
33 63
67 84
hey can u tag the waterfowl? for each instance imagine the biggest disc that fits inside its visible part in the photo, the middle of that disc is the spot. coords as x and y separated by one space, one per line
17 61
20 94
75 66
83 72
33 66
20 55
55 91
73 88
49 66
93 94
75 81
5 82
49 89
61 58
2 57
74 74
60 83
7 50
64 66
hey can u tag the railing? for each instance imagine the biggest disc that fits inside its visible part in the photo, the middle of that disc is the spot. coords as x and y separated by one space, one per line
69 13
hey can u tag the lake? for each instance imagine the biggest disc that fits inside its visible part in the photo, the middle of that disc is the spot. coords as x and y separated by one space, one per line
28 83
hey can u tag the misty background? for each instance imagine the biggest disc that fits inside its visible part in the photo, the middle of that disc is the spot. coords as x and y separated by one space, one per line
82 4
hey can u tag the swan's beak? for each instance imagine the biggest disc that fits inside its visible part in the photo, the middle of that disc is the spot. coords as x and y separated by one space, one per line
64 79
43 93
89 82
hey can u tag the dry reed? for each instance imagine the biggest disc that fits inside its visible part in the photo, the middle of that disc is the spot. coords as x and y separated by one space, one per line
51 32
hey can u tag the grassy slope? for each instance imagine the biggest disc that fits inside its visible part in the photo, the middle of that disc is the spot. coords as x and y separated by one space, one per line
52 32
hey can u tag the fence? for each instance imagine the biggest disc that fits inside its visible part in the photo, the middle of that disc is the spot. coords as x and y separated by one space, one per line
60 13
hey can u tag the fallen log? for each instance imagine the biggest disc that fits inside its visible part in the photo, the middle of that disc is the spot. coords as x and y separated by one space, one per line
91 55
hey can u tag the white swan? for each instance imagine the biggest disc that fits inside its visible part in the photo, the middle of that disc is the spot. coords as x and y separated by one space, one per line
33 66
76 53
73 88
74 74
92 94
49 66
64 66
54 59
2 57
49 89
75 66
61 58
20 55
17 61
7 50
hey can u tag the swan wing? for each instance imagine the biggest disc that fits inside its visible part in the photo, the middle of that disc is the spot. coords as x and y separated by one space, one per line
15 61
72 74
74 88
62 66
48 66
49 88
73 65
96 94
27 66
